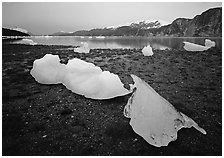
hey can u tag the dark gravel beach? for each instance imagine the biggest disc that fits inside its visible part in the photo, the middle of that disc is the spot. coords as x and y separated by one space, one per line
50 120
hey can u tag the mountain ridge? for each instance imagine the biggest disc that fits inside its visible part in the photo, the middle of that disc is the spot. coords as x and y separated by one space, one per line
207 24
13 32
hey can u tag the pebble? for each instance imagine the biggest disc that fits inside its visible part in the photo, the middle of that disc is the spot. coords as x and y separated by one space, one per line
135 140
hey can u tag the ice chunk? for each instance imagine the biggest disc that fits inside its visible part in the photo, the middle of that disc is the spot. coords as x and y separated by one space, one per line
147 51
209 43
78 76
84 48
153 117
48 70
100 37
157 46
26 41
195 47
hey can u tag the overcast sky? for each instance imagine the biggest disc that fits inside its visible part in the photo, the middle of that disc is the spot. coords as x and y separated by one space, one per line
47 18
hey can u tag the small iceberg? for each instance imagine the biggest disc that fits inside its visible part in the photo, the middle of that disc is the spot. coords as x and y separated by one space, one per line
84 48
100 37
209 43
157 46
153 117
147 51
78 76
26 41
196 47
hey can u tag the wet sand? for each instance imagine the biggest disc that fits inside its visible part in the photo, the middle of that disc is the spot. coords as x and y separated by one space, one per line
42 119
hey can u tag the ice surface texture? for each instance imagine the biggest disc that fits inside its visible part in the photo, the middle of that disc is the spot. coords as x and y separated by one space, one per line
147 51
78 76
153 117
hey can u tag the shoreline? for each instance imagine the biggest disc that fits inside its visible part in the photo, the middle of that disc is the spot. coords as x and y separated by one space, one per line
51 120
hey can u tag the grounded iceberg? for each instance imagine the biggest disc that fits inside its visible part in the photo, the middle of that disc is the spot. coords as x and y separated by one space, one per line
195 47
153 117
26 41
209 43
84 48
147 51
78 76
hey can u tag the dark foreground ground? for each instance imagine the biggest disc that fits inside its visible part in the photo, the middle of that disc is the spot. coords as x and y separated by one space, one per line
42 119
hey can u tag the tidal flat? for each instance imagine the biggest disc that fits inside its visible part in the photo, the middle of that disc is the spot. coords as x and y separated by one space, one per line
50 120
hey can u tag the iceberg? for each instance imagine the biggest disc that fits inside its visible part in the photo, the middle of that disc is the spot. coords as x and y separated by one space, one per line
147 51
48 70
209 43
153 117
196 47
84 48
100 37
26 41
78 76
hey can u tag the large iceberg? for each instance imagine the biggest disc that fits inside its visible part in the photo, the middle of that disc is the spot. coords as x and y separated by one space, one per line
147 51
196 47
153 117
78 76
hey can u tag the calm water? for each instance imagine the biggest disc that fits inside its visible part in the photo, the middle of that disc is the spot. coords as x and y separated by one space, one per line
120 42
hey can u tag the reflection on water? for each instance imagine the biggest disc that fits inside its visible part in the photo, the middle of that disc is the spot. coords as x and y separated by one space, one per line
123 42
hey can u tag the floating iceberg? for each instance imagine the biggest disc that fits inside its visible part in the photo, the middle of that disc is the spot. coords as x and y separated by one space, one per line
153 117
195 47
84 48
78 76
147 51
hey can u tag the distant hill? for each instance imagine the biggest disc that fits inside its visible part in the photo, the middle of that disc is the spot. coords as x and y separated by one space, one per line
62 33
10 32
209 23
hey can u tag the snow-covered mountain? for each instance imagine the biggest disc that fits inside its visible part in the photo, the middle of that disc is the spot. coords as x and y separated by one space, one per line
14 32
19 29
61 33
209 23
142 24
